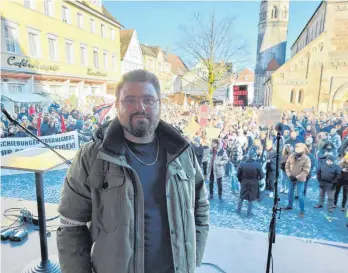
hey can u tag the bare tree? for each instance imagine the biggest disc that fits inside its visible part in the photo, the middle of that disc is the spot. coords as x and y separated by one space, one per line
212 52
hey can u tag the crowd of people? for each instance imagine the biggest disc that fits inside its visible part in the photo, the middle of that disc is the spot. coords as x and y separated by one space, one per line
51 120
312 144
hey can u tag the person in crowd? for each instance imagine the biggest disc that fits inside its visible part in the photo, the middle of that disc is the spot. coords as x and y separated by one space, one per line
344 147
22 113
136 167
327 149
198 149
284 182
206 157
293 139
286 135
342 183
328 175
313 165
236 155
297 168
249 174
335 139
242 139
51 130
271 168
216 167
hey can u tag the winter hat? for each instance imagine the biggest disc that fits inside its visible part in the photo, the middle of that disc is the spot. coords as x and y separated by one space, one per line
346 156
252 153
331 157
300 148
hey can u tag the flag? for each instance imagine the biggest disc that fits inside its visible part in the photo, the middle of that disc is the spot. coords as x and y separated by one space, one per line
62 123
102 110
39 121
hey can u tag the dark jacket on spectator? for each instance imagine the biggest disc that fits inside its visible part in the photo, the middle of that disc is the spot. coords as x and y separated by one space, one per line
344 174
249 174
328 174
51 131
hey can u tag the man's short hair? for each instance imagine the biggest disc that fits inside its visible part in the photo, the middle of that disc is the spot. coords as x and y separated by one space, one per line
139 75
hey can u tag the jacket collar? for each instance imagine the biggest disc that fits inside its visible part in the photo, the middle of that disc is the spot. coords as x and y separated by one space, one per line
113 139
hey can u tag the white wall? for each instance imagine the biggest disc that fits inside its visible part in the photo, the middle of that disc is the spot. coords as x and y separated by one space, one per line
134 56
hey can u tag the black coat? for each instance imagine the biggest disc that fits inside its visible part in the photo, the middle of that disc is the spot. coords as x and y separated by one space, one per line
328 175
199 151
271 166
249 174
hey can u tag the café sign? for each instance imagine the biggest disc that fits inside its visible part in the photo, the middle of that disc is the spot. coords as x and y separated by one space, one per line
25 63
97 73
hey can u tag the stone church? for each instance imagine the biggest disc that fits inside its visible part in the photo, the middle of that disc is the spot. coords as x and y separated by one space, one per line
316 76
271 42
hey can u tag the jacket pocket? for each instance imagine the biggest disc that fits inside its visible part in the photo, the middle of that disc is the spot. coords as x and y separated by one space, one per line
186 184
109 198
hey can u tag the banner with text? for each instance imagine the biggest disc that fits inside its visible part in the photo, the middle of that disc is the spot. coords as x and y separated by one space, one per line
66 141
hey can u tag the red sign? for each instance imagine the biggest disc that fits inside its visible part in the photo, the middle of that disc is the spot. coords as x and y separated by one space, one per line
240 95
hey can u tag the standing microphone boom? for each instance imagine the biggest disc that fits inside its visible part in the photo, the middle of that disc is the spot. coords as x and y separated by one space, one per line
15 122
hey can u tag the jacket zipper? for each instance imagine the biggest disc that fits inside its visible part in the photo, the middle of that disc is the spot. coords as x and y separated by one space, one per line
135 221
182 217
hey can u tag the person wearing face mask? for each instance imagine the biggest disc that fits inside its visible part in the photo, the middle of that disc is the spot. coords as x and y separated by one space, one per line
217 167
297 168
328 175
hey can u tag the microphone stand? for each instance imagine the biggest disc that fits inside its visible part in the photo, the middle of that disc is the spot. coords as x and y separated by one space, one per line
16 123
272 225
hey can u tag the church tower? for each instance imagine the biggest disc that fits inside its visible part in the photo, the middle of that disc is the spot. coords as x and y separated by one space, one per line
271 42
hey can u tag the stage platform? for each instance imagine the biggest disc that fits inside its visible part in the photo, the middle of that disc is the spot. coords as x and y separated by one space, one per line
234 251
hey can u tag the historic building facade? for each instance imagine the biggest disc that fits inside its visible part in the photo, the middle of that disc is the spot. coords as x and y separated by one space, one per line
131 54
156 61
316 76
271 42
60 48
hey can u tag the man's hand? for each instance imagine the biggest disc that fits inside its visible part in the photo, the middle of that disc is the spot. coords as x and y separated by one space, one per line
293 178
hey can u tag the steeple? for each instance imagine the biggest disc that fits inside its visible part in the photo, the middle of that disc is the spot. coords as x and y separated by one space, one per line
271 41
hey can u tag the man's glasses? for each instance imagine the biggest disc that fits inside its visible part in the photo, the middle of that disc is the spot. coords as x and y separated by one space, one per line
147 102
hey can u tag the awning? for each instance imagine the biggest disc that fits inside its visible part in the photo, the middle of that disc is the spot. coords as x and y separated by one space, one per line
24 97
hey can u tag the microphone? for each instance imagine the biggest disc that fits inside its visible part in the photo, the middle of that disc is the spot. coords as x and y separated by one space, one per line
279 127
8 116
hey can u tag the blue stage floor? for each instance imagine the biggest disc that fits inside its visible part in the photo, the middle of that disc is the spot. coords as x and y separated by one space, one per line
316 225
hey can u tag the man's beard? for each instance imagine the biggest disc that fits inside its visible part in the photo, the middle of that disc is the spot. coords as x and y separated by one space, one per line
140 128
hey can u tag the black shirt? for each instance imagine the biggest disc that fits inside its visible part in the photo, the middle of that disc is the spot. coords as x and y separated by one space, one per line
158 252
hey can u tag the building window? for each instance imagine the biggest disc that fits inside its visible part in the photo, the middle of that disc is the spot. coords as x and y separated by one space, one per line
34 44
83 51
10 38
17 88
48 6
300 97
95 58
292 96
79 20
274 12
69 52
93 29
105 60
65 14
103 34
112 34
114 62
53 49
29 4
